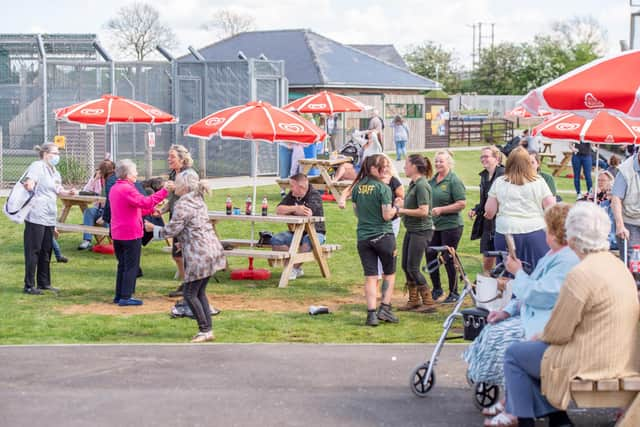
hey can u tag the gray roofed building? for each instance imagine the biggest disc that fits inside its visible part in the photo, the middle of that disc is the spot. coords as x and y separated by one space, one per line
384 52
314 61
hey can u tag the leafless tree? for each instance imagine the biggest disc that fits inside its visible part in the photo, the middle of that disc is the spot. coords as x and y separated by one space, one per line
581 30
229 23
137 30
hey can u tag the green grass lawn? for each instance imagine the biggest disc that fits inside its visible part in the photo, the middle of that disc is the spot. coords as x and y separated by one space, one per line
252 311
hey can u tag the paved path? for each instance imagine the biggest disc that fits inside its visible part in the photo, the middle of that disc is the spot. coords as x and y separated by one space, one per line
233 385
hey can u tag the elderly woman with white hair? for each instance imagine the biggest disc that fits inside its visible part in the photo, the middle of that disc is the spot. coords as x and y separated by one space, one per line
597 311
128 207
202 251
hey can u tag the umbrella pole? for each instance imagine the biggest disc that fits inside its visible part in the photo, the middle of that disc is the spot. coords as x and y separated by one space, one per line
595 186
255 185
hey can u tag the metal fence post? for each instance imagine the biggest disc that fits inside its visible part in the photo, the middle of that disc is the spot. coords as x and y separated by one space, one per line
1 160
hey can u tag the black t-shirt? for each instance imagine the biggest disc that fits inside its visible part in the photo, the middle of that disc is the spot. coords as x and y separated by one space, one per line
393 184
584 148
312 200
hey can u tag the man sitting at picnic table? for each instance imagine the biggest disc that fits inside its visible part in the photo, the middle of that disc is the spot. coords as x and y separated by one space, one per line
302 200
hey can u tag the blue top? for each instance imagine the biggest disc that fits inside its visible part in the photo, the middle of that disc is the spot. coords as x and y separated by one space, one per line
536 294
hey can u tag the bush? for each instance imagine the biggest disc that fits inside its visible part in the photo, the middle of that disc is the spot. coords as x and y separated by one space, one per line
72 170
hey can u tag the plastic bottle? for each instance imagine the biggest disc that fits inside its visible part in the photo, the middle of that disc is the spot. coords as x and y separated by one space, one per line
229 205
247 206
318 309
265 206
634 262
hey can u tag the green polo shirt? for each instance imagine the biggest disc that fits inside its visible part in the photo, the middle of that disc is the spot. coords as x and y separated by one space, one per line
369 195
418 193
443 193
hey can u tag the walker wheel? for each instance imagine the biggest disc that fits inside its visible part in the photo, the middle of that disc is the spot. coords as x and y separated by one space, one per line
485 395
417 382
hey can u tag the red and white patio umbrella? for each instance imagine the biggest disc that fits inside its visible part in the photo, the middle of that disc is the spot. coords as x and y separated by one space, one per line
327 103
256 121
603 128
110 109
611 83
523 113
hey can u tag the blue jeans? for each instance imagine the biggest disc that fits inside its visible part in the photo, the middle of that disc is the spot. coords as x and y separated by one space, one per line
285 238
401 149
284 161
522 380
89 217
56 248
585 163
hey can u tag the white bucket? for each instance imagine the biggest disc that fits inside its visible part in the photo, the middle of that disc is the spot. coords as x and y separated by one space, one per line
487 289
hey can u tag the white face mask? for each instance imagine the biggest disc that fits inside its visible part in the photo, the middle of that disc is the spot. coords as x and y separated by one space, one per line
54 160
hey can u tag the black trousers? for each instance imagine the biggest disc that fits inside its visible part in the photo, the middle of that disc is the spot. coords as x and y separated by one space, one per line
196 297
413 247
38 242
450 238
128 255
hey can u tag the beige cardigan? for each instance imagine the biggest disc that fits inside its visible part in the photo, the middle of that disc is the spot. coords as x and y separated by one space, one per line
593 329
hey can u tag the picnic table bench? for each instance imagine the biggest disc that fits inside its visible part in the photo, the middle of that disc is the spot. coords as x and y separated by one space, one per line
610 393
559 167
83 202
322 181
297 224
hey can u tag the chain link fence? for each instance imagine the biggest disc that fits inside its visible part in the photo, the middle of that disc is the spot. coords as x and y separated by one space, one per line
188 89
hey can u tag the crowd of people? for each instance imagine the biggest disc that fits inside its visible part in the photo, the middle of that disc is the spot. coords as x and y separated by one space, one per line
569 291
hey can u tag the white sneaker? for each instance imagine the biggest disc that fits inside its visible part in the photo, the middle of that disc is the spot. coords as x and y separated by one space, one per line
86 244
294 274
300 272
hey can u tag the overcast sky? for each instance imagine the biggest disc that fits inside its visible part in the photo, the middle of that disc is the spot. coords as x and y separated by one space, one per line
406 23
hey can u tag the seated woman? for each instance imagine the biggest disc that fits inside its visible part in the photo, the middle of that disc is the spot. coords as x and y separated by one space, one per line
527 314
592 333
93 215
348 171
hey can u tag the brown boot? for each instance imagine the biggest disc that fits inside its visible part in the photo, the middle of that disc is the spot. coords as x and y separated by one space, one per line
428 305
414 298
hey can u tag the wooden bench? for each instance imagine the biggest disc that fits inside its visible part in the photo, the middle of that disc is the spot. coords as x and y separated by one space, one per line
610 393
98 232
275 258
544 156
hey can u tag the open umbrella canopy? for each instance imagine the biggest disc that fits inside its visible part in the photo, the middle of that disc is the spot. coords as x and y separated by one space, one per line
256 121
603 128
113 109
523 113
604 84
326 102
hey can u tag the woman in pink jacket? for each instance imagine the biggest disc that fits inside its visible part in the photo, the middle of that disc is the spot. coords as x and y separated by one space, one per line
127 209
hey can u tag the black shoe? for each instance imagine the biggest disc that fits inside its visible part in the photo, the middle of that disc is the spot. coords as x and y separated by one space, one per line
451 299
177 292
385 314
48 288
62 259
436 293
372 319
32 291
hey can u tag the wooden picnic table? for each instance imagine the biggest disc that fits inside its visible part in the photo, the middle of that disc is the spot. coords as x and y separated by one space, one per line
298 225
559 167
83 203
323 165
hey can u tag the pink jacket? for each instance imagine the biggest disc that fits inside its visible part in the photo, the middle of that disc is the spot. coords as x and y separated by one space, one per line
127 208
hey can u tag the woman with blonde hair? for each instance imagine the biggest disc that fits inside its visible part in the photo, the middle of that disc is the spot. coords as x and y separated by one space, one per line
179 160
202 251
448 200
517 200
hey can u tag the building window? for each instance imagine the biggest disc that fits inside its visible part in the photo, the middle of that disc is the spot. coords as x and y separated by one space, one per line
407 111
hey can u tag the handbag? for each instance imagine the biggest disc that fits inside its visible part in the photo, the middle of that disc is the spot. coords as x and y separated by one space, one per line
17 205
478 227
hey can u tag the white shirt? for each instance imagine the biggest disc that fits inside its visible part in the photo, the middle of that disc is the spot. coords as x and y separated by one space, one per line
519 206
48 185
